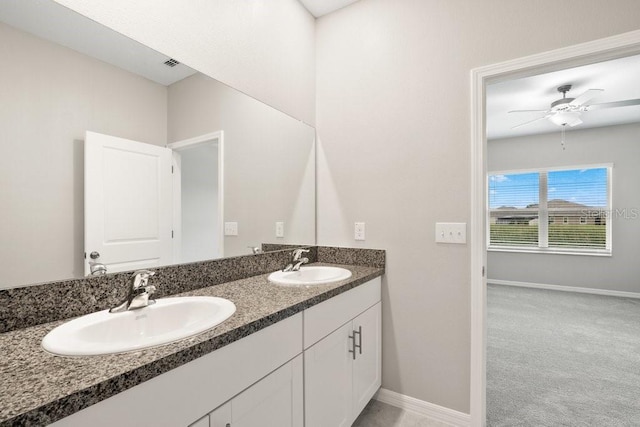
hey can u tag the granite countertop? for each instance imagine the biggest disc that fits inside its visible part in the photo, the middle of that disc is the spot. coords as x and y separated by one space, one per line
38 388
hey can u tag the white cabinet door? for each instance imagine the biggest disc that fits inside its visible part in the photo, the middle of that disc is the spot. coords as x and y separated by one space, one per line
274 401
339 382
328 369
127 202
367 364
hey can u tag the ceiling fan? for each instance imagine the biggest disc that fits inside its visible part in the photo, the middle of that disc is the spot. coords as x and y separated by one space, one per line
567 111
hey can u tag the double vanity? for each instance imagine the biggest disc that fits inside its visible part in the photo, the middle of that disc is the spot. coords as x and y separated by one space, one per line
297 342
301 348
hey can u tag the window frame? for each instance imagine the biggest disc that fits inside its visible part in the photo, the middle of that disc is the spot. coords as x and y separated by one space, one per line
542 247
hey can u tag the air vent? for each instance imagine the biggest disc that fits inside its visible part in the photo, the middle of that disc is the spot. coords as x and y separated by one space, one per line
171 62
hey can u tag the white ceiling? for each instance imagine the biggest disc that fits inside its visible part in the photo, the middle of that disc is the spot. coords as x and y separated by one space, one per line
620 79
51 21
321 7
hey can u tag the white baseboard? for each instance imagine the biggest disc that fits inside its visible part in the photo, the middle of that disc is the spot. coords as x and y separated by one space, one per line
565 288
429 410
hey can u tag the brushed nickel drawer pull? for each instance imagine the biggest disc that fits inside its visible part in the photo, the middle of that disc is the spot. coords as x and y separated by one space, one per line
359 345
353 345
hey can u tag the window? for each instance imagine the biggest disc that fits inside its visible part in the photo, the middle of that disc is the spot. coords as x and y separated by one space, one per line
513 203
550 210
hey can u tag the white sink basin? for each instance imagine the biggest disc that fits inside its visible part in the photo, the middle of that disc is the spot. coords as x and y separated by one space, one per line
312 275
169 319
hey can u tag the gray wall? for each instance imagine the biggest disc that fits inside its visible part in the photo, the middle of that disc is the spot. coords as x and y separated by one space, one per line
51 95
269 160
393 120
199 201
619 145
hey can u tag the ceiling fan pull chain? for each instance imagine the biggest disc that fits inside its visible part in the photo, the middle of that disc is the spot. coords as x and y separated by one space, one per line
562 140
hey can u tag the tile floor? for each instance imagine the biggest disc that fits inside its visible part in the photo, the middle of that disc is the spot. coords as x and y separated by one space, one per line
378 414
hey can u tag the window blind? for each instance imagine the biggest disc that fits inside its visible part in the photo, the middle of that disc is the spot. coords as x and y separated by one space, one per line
514 209
577 206
573 203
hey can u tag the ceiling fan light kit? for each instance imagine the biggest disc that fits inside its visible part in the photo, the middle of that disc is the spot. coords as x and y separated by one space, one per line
569 118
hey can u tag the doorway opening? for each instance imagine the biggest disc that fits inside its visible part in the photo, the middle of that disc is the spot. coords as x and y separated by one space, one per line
592 52
198 202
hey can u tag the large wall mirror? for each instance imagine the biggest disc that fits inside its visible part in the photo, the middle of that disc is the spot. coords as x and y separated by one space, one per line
65 75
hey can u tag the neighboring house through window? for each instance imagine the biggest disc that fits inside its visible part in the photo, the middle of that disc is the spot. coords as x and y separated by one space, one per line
551 210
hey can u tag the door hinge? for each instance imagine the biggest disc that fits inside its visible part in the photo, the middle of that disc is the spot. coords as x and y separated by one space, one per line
171 168
483 271
172 234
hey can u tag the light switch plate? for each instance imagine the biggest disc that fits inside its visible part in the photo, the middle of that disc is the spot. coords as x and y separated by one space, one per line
358 232
451 232
280 229
230 228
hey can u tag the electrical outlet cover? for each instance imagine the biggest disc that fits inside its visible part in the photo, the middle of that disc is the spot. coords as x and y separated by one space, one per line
230 228
359 231
280 229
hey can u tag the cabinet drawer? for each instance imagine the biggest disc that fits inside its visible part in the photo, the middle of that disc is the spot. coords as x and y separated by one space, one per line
324 318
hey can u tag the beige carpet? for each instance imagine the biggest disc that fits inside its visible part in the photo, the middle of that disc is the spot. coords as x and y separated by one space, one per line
562 359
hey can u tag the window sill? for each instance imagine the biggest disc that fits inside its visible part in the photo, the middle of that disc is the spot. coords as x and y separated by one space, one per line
550 251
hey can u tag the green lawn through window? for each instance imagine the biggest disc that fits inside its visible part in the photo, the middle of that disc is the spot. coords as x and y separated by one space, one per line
560 235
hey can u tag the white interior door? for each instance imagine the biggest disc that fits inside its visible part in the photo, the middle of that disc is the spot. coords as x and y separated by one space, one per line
127 203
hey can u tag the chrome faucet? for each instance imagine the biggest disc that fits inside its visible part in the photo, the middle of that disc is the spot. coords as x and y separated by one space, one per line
296 260
97 268
139 292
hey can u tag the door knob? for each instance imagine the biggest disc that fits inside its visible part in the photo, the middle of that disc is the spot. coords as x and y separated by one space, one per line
94 255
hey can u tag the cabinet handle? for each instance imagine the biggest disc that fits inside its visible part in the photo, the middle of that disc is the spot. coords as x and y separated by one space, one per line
353 344
359 345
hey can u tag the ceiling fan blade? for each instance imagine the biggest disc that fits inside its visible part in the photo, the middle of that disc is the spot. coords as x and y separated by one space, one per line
625 103
528 111
585 97
529 122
